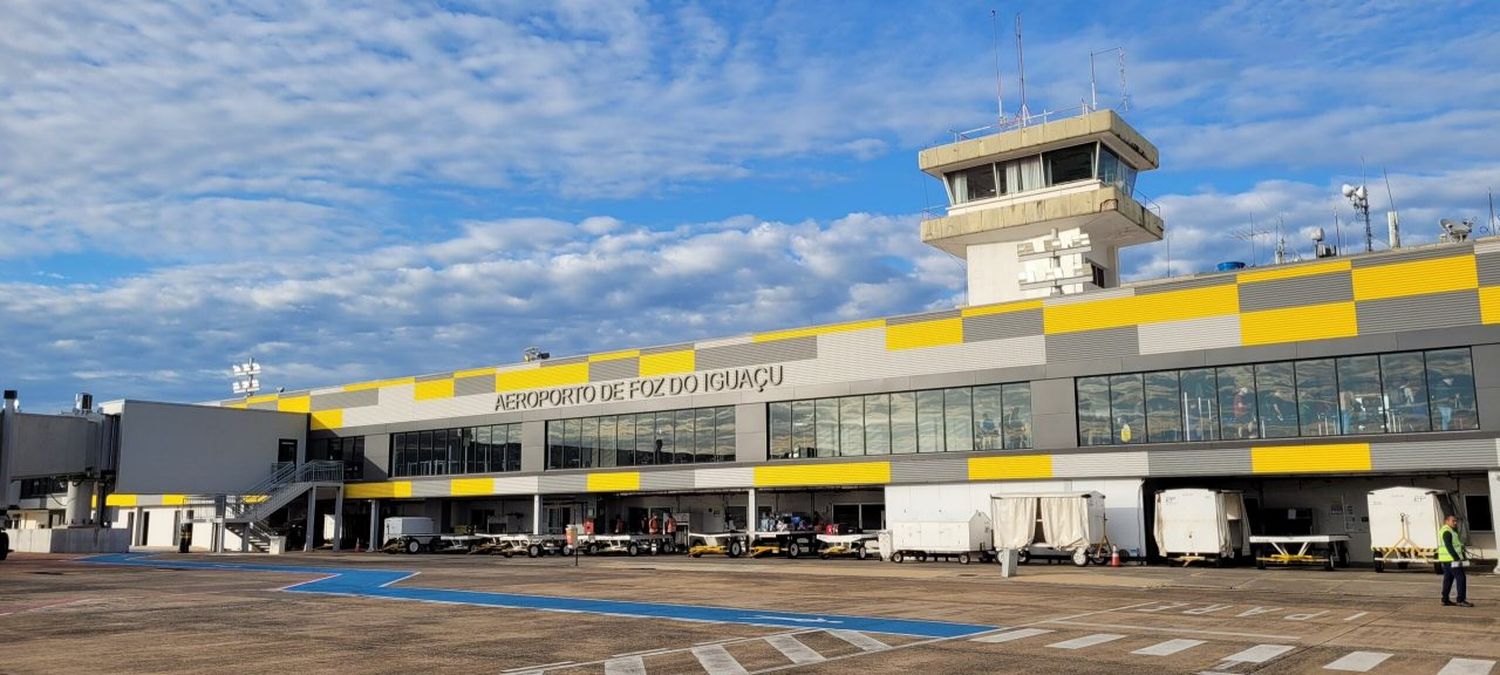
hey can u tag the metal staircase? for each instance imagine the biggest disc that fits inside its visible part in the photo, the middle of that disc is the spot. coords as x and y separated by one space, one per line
247 516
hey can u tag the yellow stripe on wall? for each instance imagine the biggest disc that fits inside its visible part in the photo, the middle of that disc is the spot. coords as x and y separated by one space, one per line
326 419
121 500
433 389
1192 303
541 378
667 363
1328 458
387 490
1489 304
237 406
1418 277
615 356
1314 322
1294 271
1010 468
817 330
295 404
376 384
614 481
921 334
475 372
471 487
267 398
173 500
985 310
858 473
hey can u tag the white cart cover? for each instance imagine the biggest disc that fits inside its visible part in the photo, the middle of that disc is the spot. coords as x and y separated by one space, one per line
1195 522
1014 521
1065 522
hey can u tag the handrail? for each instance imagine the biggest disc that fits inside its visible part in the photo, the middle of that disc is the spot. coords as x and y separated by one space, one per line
284 474
1021 121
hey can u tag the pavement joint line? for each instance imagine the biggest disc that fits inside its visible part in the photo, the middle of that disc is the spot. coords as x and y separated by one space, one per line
1173 629
533 669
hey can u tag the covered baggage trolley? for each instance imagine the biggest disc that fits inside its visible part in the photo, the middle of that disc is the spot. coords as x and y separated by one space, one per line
1195 524
1404 523
961 540
1069 525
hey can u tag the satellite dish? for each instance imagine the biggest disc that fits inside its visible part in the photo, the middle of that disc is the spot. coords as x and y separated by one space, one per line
1361 192
1317 234
1348 190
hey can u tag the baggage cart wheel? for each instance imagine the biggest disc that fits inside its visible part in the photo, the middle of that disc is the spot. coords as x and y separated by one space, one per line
1328 564
794 550
567 551
508 554
1081 558
1100 558
1379 566
922 557
1260 564
897 557
534 551
823 556
736 549
411 546
862 553
633 549
963 558
1023 556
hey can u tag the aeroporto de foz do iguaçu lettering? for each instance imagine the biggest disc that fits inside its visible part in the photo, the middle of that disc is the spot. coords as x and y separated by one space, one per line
714 381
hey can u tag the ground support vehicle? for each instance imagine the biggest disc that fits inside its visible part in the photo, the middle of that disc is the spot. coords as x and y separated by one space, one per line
1404 524
862 545
1306 549
416 534
629 544
964 541
790 544
1195 525
1067 526
532 545
731 544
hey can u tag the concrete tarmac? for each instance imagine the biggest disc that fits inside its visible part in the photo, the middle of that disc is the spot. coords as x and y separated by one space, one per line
58 614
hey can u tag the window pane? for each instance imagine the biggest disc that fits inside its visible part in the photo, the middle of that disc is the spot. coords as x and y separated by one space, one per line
590 444
929 421
606 456
1237 411
1361 410
826 414
513 447
1093 411
1200 410
780 420
724 440
988 406
851 426
625 440
703 435
1127 408
455 452
903 423
1317 398
354 460
1017 415
1478 513
554 444
424 468
1278 411
684 447
1069 164
398 454
645 439
1163 407
1023 174
1405 381
666 437
878 424
572 440
802 430
473 456
977 183
958 419
1450 383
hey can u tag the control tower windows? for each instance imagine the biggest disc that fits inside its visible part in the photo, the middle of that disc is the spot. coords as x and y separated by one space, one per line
975 184
1069 164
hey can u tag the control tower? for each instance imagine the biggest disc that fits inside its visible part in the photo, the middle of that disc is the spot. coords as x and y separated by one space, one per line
1042 209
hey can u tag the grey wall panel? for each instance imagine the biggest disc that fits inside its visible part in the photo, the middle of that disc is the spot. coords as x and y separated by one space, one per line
665 349
1093 344
918 318
934 470
1297 292
471 386
533 446
1189 337
50 445
750 432
348 399
1454 336
1006 375
1488 265
1364 344
1168 462
377 457
1407 255
723 478
1475 453
430 487
1087 367
169 448
819 391
1001 326
942 380
1185 284
1168 361
433 377
262 405
674 479
1459 308
1100 464
614 369
567 361
562 483
758 353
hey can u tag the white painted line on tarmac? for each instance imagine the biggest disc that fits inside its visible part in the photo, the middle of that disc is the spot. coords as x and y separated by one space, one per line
1356 616
1259 654
632 665
718 661
1358 662
1173 629
527 670
1168 648
794 650
1467 667
1086 641
859 639
1009 635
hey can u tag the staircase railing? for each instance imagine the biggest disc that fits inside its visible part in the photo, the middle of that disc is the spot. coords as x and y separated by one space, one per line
285 476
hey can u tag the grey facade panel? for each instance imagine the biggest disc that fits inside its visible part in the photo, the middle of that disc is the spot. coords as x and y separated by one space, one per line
1165 462
750 443
1477 453
567 361
616 369
665 349
1456 336
1006 375
533 446
1459 308
377 457
942 380
1364 344
757 353
562 483
918 318
1297 292
162 447
1488 265
1413 254
1001 326
934 470
470 386
430 378
1198 282
1093 344
263 405
430 487
674 479
1167 361
1080 368
346 399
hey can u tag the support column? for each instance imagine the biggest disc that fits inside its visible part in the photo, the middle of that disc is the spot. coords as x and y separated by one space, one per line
1495 503
375 542
338 518
536 514
312 519
80 503
752 520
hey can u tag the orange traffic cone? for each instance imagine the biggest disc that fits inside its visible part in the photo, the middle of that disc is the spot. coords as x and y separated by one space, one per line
1114 556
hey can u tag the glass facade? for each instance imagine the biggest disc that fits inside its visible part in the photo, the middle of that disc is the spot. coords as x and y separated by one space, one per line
1056 167
439 452
1352 395
959 419
350 451
664 437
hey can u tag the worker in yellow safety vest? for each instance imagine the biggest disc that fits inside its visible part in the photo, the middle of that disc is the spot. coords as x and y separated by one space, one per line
1452 556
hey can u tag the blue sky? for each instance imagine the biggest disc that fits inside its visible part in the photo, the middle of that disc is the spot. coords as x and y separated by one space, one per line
359 190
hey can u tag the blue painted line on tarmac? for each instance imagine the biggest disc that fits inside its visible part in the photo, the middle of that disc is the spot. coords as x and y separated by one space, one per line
372 583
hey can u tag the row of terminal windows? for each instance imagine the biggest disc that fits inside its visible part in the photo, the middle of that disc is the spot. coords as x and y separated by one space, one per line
666 437
1067 165
1353 395
349 450
486 449
960 419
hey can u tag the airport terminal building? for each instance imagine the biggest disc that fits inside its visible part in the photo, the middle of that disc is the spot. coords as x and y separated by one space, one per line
1303 385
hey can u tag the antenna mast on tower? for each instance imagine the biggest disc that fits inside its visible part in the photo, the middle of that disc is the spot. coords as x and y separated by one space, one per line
1021 64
